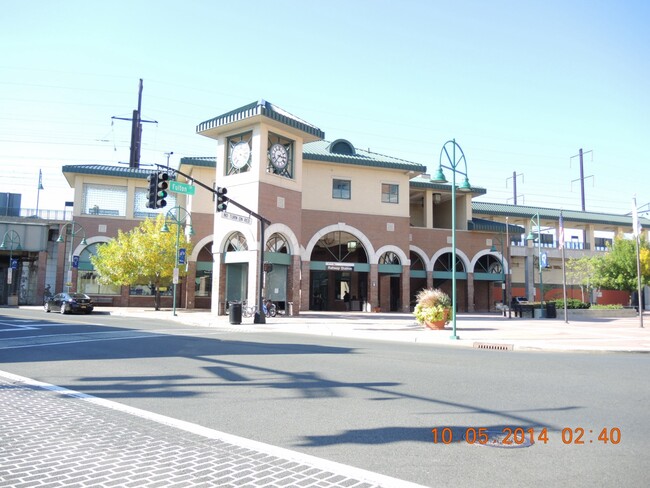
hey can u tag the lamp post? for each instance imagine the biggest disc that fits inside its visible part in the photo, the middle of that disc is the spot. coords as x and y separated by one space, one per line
534 221
74 230
452 164
504 285
11 240
38 189
178 216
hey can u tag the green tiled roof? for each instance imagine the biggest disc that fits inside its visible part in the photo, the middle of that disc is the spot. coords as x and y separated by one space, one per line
486 208
320 151
492 226
106 170
426 184
261 107
206 162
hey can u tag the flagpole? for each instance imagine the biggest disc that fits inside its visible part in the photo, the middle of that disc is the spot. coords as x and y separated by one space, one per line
38 189
564 297
636 231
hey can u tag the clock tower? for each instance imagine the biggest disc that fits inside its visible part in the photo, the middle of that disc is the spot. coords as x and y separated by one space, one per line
259 161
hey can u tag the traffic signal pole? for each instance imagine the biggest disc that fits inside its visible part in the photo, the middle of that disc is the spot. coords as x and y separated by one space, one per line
220 193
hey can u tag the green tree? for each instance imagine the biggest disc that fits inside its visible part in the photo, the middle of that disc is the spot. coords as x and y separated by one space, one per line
617 269
581 271
144 255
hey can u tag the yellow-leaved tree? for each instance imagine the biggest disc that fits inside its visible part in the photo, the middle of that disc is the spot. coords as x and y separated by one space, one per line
144 255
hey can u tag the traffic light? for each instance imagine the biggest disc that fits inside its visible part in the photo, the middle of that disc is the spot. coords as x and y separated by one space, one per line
153 189
161 187
157 190
222 199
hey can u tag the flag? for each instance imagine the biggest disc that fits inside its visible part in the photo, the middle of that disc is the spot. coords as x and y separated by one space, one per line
40 180
560 243
635 219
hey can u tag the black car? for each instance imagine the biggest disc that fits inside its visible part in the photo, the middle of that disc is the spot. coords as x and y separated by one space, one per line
69 302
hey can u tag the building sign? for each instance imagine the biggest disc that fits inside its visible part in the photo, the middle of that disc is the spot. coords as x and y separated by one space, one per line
333 266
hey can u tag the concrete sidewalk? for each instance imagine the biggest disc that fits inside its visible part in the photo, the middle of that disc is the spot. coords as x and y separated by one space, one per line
484 331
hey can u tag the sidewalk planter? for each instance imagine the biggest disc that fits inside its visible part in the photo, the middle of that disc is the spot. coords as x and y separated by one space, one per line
433 308
588 314
439 324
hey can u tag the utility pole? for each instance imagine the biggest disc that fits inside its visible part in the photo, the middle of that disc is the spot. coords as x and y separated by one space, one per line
136 131
582 176
514 184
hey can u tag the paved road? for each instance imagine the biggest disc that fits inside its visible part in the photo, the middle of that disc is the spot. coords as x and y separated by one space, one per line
185 374
54 437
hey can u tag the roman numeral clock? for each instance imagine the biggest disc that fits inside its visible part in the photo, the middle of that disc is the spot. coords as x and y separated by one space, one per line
280 156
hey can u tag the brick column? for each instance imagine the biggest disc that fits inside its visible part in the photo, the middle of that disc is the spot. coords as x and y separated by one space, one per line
373 291
470 292
190 285
294 284
304 286
406 289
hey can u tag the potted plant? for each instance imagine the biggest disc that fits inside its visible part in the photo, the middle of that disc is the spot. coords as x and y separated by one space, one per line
433 308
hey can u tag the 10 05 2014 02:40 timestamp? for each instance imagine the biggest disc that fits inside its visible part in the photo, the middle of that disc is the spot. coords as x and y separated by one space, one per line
526 435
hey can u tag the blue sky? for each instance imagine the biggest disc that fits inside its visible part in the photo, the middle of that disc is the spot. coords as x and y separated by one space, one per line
521 86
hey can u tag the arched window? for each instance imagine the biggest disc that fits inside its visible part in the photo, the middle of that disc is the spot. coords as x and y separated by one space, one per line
277 243
417 263
443 263
236 242
339 246
389 257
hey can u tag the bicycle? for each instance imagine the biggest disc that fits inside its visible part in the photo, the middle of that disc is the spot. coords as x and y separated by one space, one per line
269 308
248 311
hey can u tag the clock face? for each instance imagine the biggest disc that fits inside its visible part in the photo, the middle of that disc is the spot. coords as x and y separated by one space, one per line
240 154
279 156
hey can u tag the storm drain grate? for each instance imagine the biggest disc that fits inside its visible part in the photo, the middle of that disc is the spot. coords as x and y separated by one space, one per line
505 438
493 347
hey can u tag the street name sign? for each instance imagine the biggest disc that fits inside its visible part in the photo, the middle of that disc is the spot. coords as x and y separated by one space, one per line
184 188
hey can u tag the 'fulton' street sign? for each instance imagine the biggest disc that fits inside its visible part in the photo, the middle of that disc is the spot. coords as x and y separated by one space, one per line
184 188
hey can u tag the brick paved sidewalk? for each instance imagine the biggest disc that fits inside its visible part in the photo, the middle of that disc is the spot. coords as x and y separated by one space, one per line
51 437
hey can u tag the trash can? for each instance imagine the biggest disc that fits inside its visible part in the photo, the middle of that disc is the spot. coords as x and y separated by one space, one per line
234 313
551 311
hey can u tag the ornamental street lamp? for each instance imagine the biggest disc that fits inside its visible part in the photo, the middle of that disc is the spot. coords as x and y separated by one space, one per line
178 216
452 164
11 241
75 229
534 222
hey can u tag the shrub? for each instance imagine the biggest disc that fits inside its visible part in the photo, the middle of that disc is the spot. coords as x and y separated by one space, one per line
572 303
432 305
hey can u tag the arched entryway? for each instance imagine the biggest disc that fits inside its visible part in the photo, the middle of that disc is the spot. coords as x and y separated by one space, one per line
418 276
339 271
277 258
489 281
236 265
442 277
390 281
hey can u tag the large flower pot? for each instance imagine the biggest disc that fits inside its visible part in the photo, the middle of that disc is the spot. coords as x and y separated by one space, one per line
438 324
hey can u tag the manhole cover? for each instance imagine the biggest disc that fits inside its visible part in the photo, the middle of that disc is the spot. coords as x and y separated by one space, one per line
506 438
